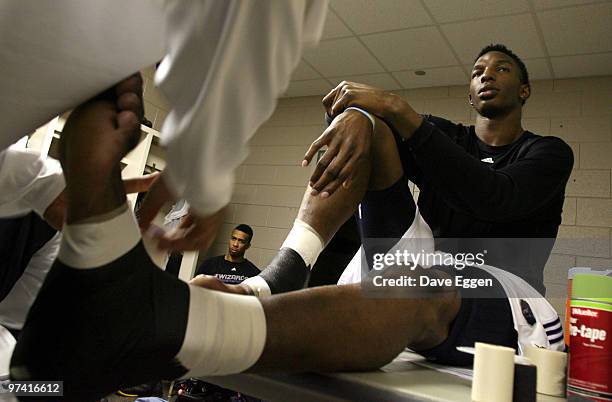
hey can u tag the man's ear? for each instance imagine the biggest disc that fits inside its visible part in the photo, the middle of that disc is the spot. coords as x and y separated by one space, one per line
470 98
525 92
247 246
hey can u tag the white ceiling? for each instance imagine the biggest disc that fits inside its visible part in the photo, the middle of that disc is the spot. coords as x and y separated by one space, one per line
383 42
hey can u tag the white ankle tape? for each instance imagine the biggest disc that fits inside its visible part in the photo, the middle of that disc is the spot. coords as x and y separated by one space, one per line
305 241
90 245
225 334
258 286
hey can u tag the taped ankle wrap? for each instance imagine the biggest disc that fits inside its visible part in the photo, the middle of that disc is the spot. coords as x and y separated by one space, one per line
305 240
225 334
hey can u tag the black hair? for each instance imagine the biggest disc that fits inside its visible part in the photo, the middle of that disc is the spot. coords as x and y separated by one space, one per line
503 49
246 229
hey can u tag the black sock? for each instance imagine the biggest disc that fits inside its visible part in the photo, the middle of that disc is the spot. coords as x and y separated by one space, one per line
286 272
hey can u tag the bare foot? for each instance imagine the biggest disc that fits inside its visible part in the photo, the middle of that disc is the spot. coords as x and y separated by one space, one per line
95 139
129 95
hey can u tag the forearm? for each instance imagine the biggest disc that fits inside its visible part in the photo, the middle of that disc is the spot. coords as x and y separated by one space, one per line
401 117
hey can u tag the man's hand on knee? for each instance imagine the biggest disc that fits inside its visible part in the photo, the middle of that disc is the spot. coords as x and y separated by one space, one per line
348 140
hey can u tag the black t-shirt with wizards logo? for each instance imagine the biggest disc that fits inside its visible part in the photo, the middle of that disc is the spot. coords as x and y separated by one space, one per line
227 271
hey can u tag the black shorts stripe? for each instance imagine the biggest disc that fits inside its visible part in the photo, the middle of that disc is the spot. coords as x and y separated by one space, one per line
552 323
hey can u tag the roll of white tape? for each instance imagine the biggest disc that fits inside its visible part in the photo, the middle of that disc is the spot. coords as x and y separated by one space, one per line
551 370
493 373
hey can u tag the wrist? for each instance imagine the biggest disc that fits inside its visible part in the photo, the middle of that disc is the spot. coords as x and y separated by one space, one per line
365 113
402 117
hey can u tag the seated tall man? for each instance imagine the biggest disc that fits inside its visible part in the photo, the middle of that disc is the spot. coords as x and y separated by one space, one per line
232 267
493 186
137 323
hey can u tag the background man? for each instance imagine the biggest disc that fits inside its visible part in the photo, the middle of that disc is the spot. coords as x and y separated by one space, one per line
232 267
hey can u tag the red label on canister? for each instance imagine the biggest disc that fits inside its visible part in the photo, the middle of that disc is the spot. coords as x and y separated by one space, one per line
590 367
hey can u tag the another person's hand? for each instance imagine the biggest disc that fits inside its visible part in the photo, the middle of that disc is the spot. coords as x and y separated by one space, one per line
195 232
348 140
56 211
213 283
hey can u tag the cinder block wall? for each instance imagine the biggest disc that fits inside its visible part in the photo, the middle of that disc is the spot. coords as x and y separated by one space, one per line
271 182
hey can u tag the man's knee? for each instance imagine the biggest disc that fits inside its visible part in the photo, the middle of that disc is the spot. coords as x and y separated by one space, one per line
439 312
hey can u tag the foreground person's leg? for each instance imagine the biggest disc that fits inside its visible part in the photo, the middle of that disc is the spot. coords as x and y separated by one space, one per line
106 316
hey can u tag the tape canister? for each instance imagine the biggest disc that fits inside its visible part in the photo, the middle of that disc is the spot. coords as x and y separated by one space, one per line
551 366
590 368
493 373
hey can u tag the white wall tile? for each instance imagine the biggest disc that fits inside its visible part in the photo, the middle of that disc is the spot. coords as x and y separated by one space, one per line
298 135
253 254
597 103
448 108
282 217
276 155
252 215
576 151
259 174
583 129
300 101
556 268
581 84
230 213
597 263
239 175
279 196
266 257
568 217
594 212
557 295
293 175
459 91
550 105
596 155
540 86
537 125
426 93
589 183
244 194
285 117
268 238
583 241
